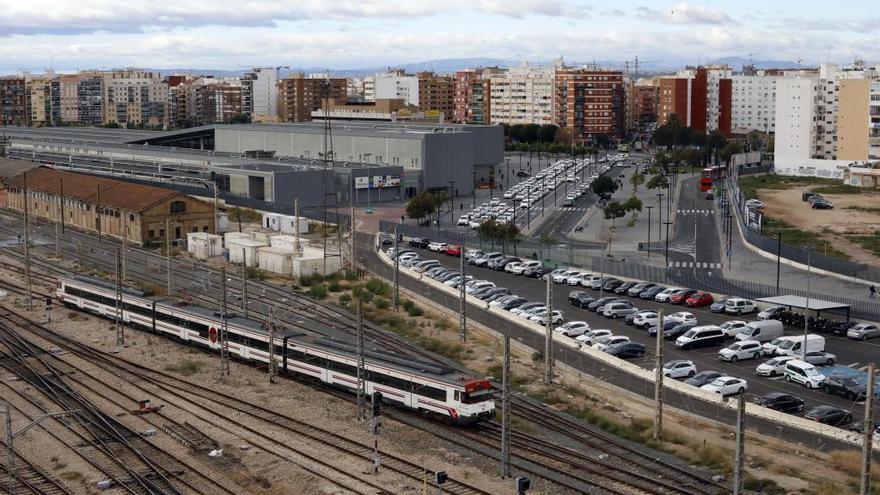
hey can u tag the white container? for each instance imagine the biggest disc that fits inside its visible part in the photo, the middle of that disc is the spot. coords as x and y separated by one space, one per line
275 260
289 224
287 242
272 221
233 236
312 261
244 251
203 245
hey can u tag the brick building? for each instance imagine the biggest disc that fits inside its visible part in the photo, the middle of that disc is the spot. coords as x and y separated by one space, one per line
646 101
472 89
110 207
590 102
435 94
299 96
14 101
701 97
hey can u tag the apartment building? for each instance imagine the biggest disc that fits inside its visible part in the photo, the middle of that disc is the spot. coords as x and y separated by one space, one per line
700 96
522 95
90 99
14 101
259 94
589 102
472 90
369 88
435 95
43 101
134 96
396 84
646 100
753 101
299 96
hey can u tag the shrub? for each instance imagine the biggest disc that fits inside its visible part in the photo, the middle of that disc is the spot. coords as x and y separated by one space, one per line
378 287
381 303
406 304
334 286
318 291
345 300
415 311
305 280
350 275
362 294
185 367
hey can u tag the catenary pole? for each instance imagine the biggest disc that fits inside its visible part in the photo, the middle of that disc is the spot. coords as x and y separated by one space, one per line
867 447
740 443
658 379
505 409
462 301
361 388
396 270
244 283
27 246
548 336
168 256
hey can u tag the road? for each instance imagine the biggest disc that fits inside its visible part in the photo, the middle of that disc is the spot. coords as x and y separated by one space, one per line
854 354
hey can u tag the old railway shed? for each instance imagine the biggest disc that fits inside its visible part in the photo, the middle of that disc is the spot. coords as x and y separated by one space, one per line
114 208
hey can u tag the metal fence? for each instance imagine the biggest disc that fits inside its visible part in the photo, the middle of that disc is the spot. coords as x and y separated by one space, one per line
563 256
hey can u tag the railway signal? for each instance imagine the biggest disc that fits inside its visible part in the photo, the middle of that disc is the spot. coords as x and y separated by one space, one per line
522 485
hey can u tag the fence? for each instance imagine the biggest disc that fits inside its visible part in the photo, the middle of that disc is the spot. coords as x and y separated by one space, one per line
565 256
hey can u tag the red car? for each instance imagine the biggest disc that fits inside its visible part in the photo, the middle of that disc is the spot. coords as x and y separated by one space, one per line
681 296
699 299
454 250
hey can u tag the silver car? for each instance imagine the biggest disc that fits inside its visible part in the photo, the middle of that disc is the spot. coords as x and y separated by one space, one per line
617 310
863 331
818 358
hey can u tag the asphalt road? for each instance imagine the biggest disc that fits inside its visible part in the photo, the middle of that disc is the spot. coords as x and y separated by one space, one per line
855 354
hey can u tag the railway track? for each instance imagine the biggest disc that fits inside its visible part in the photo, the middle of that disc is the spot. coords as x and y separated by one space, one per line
30 479
236 411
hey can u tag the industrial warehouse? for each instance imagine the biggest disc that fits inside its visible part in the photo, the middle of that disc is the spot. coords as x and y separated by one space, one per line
266 166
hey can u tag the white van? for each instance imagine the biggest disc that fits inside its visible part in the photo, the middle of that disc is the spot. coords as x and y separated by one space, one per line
804 373
738 306
792 345
762 331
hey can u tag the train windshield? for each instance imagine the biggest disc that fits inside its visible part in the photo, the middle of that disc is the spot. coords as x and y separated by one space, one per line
476 396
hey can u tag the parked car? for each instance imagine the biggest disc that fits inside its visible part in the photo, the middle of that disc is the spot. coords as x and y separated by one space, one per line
702 378
592 336
470 254
523 308
623 288
512 266
617 310
726 385
454 250
684 317
762 331
631 318
541 317
822 204
385 239
423 266
637 289
580 298
699 299
485 259
419 242
561 276
651 293
478 285
513 303
773 367
681 296
804 373
667 326
677 331
438 247
738 306
647 319
744 349
520 268
829 415
755 203
718 306
771 313
573 328
733 327
612 284
536 272
806 195
665 294
779 401
601 302
817 358
464 220
863 331
844 386
625 350
679 368
603 343
702 336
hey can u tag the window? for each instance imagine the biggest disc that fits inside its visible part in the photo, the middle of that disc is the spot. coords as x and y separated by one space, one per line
178 206
150 233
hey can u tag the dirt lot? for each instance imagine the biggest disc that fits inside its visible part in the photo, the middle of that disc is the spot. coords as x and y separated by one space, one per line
831 225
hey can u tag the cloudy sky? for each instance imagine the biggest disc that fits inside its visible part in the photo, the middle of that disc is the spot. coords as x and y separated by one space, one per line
338 34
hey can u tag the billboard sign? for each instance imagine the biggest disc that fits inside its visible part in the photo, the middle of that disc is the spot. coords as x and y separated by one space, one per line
361 182
754 218
377 182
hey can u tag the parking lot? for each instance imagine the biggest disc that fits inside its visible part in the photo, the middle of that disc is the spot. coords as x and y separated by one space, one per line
850 356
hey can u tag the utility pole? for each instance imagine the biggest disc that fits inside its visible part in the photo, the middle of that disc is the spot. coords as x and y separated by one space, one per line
296 244
649 229
124 240
505 409
740 443
376 423
10 436
216 209
778 258
548 337
807 306
61 194
658 379
98 211
361 388
272 330
396 270
224 327
27 247
58 240
867 448
351 230
462 301
120 331
244 290
667 224
660 217
168 289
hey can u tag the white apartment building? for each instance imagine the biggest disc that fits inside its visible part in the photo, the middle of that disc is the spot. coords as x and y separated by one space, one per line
753 102
522 95
396 85
259 94
795 123
714 75
369 88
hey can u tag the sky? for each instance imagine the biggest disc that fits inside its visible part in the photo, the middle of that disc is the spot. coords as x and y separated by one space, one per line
72 35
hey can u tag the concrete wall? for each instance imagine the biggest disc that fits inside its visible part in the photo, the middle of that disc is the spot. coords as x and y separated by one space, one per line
308 186
451 158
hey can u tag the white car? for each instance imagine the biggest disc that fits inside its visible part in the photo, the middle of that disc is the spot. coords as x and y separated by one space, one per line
464 220
755 203
591 337
526 308
732 327
573 328
647 319
726 385
519 268
438 246
577 279
603 344
773 367
665 294
541 317
479 285
684 317
562 277
744 349
679 368
510 267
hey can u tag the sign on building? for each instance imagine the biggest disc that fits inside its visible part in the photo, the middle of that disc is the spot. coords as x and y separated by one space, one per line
361 182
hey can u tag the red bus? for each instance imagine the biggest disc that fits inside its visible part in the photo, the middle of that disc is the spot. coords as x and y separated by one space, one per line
709 175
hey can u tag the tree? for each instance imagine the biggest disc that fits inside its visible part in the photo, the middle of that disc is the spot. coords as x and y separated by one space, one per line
240 118
547 133
421 205
604 186
602 141
513 132
729 150
633 204
613 211
636 180
545 241
529 133
754 140
659 181
716 140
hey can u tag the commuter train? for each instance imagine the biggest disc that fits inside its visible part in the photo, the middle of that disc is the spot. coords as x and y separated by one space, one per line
406 382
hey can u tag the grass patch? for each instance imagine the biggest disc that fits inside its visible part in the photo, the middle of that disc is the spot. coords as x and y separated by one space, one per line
838 189
763 486
71 476
244 214
863 209
185 367
409 329
850 462
381 303
800 238
378 287
334 286
750 185
870 243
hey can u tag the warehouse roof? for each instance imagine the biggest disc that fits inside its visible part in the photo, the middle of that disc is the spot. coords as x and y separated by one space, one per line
112 193
10 167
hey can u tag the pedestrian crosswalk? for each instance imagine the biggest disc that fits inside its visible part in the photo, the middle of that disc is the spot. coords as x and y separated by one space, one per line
687 247
694 264
573 208
693 212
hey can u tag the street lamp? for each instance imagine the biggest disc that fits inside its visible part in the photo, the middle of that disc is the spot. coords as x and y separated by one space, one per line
778 258
807 306
649 229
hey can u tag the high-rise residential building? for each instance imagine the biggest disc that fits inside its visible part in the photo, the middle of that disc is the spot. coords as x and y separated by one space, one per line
369 88
90 98
43 101
590 102
215 102
68 88
435 94
522 95
259 94
134 96
700 96
471 100
646 100
13 101
299 96
397 84
753 104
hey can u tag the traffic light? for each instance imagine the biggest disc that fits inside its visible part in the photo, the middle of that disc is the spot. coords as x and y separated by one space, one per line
377 404
522 485
441 477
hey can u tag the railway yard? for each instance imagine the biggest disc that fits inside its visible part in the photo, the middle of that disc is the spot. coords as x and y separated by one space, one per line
241 434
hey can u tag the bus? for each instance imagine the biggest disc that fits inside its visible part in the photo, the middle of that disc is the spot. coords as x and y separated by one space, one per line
709 175
623 147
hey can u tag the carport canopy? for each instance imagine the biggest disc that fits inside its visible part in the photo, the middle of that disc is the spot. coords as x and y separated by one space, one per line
800 302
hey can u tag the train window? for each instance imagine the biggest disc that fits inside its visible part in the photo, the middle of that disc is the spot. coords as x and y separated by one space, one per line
476 396
343 368
457 395
429 392
391 381
260 345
